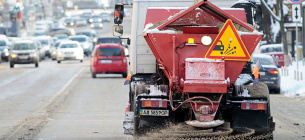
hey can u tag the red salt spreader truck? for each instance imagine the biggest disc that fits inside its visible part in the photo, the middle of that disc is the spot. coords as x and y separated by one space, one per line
193 72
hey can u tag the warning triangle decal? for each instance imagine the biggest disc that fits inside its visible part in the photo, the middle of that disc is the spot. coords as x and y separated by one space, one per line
228 45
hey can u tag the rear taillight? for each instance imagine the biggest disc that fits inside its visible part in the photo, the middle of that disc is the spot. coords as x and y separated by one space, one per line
273 71
253 106
154 103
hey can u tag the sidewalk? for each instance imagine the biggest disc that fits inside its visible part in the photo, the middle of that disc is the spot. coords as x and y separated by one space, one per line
291 87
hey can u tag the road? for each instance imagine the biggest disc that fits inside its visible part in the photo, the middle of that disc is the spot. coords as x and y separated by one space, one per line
62 101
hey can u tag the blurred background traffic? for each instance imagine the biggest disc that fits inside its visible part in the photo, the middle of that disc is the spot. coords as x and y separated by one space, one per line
49 22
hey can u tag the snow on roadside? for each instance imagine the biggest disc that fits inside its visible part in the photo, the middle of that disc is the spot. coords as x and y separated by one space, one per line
291 87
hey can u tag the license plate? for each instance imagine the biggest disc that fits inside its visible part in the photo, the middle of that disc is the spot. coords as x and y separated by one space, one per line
148 112
23 57
262 73
106 61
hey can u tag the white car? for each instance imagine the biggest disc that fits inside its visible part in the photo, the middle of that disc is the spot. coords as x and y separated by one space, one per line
69 50
84 41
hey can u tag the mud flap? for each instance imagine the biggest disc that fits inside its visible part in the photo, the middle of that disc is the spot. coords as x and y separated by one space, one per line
128 123
259 120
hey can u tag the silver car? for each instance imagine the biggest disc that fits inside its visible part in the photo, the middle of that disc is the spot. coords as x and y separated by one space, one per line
24 52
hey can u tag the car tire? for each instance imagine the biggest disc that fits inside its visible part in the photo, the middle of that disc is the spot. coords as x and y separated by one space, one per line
81 61
124 74
11 65
58 61
53 59
36 64
93 75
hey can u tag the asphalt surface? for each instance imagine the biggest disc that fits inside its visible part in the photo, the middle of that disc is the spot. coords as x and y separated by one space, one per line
62 101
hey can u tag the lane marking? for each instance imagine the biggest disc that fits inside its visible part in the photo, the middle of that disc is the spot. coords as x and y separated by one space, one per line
64 87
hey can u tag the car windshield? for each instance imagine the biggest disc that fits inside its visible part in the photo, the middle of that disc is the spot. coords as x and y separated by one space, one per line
61 36
68 46
68 20
96 22
56 29
96 17
110 51
2 43
39 33
44 41
24 46
84 33
109 40
78 39
56 44
263 60
272 49
81 20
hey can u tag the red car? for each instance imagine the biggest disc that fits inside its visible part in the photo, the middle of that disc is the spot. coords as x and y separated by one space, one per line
276 51
109 58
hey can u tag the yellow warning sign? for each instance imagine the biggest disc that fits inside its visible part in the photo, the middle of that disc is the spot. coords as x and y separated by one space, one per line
228 45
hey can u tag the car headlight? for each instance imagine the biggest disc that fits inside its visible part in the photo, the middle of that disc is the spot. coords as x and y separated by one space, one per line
91 25
100 20
72 23
47 47
13 55
90 20
101 25
54 52
5 50
59 53
65 24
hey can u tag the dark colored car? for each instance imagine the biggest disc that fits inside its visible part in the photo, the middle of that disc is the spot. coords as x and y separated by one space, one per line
270 72
105 17
96 25
90 33
24 52
114 40
61 36
4 50
109 58
276 51
69 22
57 31
96 18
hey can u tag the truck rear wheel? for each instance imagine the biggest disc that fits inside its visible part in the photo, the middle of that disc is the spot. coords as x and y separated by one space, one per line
138 90
11 65
36 64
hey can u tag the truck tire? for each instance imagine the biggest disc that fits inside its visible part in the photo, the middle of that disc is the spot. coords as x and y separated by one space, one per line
138 90
11 65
